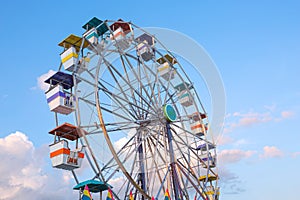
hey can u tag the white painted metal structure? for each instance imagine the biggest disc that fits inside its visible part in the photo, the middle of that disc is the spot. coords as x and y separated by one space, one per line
120 103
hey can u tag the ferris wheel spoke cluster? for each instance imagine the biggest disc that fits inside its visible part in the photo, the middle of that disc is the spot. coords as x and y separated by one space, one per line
141 123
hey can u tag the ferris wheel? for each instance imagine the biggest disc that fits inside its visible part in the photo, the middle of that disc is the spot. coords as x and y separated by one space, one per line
139 120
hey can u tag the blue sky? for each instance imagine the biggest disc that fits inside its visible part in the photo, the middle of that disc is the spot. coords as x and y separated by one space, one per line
255 45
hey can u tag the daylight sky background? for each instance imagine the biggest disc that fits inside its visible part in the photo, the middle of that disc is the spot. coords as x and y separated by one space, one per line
255 45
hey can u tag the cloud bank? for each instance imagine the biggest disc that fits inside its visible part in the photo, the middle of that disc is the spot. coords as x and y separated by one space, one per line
239 119
24 174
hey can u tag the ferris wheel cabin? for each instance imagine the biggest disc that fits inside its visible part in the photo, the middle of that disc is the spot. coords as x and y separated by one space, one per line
61 155
164 69
197 126
184 94
208 161
93 30
145 46
207 155
59 96
69 57
211 192
120 31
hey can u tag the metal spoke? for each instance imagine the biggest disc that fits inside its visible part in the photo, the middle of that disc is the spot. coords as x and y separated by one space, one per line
120 98
148 80
128 80
128 84
109 66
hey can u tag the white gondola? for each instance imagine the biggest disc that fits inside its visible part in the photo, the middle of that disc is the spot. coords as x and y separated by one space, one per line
166 72
208 161
185 98
72 45
63 158
119 35
59 96
60 101
69 58
145 46
165 69
145 51
61 155
198 128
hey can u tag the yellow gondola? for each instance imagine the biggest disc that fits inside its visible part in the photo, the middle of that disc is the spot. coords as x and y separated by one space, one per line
73 41
209 177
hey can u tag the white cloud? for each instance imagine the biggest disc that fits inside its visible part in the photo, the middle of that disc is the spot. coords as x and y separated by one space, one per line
40 80
23 174
229 156
239 119
250 118
287 114
118 185
247 121
240 142
271 152
295 154
123 140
